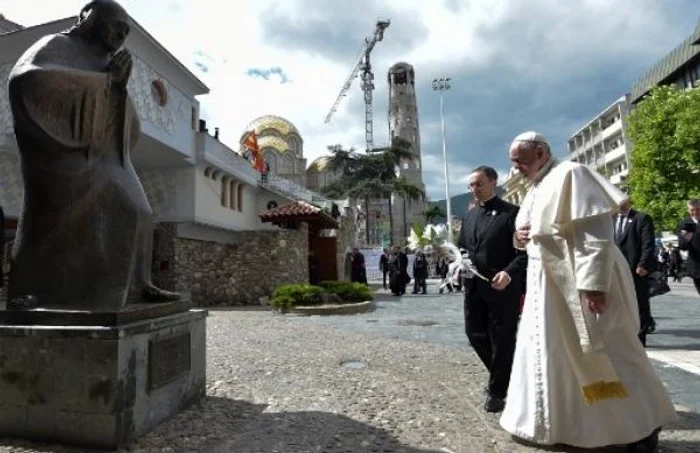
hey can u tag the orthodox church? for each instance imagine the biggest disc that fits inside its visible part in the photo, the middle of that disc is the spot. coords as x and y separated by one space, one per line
282 148
281 145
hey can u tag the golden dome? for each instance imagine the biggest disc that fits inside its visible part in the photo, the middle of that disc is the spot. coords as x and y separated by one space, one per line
320 164
274 142
277 123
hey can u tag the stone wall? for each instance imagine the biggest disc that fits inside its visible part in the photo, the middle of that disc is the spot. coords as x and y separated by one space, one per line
238 273
347 238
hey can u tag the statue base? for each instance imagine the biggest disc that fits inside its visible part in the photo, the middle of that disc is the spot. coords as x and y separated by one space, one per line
98 379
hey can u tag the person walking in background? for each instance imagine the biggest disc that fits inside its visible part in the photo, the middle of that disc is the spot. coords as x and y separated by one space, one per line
358 272
689 240
491 306
582 376
675 261
404 278
384 266
443 269
634 235
398 262
663 260
420 273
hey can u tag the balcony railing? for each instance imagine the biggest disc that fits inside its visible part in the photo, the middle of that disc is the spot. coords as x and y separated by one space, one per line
293 190
216 153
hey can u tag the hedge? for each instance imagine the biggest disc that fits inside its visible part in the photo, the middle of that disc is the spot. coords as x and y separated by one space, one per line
288 296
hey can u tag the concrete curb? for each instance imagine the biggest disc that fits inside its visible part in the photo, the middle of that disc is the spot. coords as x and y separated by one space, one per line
334 309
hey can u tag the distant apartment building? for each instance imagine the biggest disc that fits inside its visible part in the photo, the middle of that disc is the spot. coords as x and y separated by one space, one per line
602 143
680 67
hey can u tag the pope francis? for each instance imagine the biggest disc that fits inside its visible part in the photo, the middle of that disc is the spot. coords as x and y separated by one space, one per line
580 375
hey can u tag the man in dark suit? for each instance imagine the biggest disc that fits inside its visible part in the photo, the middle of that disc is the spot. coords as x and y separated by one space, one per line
634 235
689 240
491 306
384 265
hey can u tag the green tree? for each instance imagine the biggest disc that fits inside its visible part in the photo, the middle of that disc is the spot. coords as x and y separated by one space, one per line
664 174
372 176
432 213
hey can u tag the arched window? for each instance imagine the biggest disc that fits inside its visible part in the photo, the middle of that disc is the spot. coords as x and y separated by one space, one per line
271 158
225 188
239 204
288 164
295 145
232 199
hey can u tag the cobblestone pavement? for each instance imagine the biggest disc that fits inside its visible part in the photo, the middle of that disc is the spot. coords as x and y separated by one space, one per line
399 379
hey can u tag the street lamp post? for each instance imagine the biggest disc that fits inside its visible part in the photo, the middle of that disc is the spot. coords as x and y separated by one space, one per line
442 85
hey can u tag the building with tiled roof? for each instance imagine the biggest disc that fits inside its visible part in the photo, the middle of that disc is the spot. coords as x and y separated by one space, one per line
299 211
281 145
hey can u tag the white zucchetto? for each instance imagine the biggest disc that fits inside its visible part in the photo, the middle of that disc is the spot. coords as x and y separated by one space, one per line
530 136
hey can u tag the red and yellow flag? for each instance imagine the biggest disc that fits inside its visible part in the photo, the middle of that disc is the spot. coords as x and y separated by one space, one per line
251 143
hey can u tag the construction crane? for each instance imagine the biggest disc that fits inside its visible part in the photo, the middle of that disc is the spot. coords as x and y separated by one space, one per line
364 68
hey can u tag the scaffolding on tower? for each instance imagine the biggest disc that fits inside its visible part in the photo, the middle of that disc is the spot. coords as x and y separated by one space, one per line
363 68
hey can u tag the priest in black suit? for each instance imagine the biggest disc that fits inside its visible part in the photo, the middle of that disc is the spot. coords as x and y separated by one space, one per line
634 235
689 240
491 306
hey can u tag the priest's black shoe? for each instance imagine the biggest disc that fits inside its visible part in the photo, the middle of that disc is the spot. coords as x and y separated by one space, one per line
649 444
494 404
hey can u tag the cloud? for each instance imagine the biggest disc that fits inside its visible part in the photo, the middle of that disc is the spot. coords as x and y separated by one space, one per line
516 65
457 170
265 74
202 67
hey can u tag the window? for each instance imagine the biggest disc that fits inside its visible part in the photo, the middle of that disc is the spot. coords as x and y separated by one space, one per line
288 164
195 121
225 188
271 158
293 145
239 204
695 72
232 199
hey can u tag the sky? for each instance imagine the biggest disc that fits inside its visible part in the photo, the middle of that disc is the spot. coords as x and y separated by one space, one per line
515 65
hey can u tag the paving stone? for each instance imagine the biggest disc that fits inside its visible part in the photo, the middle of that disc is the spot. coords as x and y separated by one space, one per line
276 383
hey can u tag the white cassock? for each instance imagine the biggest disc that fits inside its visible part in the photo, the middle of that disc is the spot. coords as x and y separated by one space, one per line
579 379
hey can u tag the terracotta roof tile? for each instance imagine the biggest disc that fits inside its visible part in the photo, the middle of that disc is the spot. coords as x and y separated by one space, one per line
299 210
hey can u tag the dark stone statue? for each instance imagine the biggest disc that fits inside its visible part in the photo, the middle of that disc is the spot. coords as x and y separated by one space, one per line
85 234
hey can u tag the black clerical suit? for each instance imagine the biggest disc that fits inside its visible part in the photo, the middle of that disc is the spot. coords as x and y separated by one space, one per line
634 235
692 263
491 316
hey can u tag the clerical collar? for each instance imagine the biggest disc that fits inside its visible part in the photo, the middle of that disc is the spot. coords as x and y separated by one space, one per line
542 172
490 203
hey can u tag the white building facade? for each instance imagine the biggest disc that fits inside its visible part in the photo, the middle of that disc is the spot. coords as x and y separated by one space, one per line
204 195
602 143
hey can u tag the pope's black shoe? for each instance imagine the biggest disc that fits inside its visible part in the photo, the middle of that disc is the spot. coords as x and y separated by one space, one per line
494 404
649 444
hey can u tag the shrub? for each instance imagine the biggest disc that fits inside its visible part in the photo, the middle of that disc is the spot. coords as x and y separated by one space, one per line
348 291
287 296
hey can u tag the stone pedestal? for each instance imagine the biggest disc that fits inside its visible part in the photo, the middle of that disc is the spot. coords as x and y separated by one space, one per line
98 379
